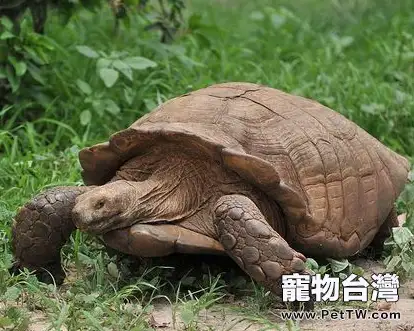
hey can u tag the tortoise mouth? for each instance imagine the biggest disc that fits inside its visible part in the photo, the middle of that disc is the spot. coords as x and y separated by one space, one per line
109 228
100 225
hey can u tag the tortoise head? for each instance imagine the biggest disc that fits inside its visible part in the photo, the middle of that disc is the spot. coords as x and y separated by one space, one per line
111 206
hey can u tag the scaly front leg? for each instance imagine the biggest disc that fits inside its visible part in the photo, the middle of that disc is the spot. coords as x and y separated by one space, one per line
255 246
40 229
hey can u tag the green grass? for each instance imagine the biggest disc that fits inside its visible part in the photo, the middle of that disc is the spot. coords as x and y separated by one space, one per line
356 57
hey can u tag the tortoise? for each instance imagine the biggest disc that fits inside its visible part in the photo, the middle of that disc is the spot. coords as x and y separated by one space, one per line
234 168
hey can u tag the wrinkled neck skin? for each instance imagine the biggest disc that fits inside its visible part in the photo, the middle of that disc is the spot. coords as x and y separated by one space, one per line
172 183
165 184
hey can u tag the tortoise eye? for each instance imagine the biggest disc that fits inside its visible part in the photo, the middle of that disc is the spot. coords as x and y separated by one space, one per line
100 204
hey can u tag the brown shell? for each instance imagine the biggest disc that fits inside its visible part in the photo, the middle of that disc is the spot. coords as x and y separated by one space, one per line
317 164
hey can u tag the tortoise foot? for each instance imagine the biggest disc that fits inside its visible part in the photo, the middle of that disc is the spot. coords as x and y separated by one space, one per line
48 274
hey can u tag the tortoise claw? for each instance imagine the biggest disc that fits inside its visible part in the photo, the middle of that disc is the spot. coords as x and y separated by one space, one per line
48 274
305 306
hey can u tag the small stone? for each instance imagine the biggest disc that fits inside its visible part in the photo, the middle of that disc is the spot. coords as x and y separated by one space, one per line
250 254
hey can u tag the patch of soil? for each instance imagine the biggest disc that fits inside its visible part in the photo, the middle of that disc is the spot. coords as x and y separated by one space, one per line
224 317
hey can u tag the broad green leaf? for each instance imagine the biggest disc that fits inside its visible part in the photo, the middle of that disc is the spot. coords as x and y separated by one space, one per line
257 16
312 264
346 41
150 104
389 241
84 86
387 259
113 270
5 322
129 95
85 117
98 105
123 68
112 107
139 63
12 78
6 22
33 54
402 236
407 266
85 259
87 51
89 298
277 20
12 293
393 263
358 271
322 270
35 72
21 68
6 35
188 61
92 321
338 265
109 76
342 275
187 315
103 63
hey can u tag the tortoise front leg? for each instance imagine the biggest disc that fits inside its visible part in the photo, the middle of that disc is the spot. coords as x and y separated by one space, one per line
255 246
40 229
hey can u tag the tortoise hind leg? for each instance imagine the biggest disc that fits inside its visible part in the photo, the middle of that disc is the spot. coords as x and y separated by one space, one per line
40 229
376 246
255 246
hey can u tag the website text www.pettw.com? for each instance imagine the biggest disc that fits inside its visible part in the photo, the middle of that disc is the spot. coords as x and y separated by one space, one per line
362 314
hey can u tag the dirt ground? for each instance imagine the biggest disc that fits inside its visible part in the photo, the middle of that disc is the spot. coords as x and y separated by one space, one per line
225 317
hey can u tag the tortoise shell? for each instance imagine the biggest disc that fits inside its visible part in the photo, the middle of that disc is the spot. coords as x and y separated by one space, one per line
325 172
